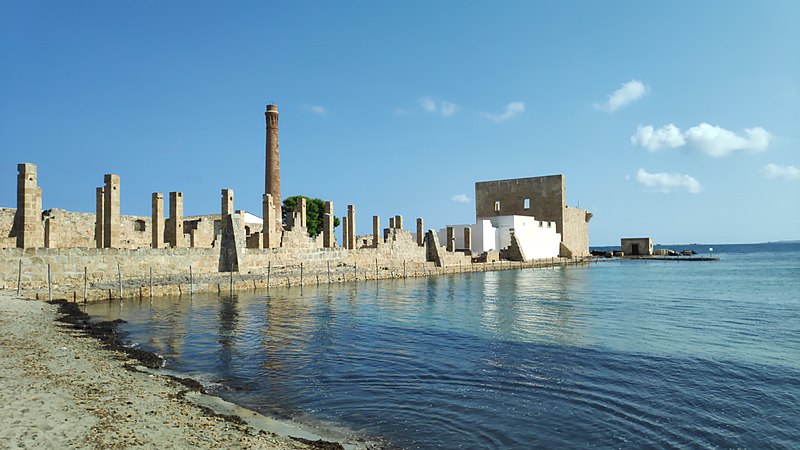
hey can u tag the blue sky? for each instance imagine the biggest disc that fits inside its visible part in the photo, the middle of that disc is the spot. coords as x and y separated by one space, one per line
677 120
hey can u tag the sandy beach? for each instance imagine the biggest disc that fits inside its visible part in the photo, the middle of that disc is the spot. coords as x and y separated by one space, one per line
60 389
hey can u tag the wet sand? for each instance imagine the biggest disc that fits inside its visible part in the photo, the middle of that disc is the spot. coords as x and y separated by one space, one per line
62 389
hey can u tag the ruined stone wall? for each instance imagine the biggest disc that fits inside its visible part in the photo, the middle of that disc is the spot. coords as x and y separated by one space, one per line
576 231
67 264
6 224
298 247
69 229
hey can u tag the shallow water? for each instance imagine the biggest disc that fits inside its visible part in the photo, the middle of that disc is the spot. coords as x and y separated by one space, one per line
615 354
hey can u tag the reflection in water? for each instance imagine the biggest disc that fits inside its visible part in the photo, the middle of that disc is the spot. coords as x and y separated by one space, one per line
541 308
228 320
552 358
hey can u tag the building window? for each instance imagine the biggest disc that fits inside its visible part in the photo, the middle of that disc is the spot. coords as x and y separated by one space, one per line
526 204
139 225
497 206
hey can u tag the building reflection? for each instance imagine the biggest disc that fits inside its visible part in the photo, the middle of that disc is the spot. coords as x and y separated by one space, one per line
534 305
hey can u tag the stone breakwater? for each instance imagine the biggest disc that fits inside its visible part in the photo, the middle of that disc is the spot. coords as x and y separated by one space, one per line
90 274
61 392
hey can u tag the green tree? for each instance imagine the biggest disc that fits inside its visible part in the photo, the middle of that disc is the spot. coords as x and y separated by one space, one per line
315 208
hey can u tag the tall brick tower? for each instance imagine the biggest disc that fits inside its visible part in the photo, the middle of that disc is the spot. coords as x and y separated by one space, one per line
273 167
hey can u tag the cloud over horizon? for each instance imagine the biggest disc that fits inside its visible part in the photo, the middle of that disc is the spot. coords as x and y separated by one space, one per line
710 139
460 198
512 109
434 106
774 171
667 182
629 92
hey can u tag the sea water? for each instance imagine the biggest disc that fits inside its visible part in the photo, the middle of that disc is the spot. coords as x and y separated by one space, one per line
614 354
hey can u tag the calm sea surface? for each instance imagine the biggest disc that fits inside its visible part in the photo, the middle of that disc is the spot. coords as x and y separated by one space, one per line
615 354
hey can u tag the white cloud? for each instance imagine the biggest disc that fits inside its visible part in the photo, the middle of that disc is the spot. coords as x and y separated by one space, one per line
773 171
709 139
717 141
668 136
442 107
667 182
316 109
512 109
460 198
427 104
629 92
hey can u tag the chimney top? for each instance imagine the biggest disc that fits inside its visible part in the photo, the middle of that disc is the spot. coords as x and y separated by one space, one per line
272 108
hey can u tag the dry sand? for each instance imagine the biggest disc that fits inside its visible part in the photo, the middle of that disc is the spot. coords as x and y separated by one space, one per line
59 389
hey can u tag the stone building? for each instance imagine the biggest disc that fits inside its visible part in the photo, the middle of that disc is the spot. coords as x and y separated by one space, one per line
637 246
544 198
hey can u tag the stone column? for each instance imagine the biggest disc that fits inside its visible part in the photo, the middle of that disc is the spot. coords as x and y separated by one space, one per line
420 232
49 230
176 218
99 226
327 226
28 217
351 226
111 211
376 227
157 222
468 238
272 183
398 222
345 233
227 203
451 239
268 223
300 207
391 223
226 208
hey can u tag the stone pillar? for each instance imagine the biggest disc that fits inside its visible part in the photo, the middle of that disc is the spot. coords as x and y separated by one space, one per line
157 222
391 223
420 232
226 208
272 183
99 226
300 207
28 217
451 239
351 226
345 233
227 203
111 211
376 227
176 218
268 223
49 230
468 238
398 222
327 226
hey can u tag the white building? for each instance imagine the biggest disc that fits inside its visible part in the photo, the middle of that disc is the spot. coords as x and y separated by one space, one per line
537 239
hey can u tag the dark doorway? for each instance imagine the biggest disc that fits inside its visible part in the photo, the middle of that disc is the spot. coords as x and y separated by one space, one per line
634 249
